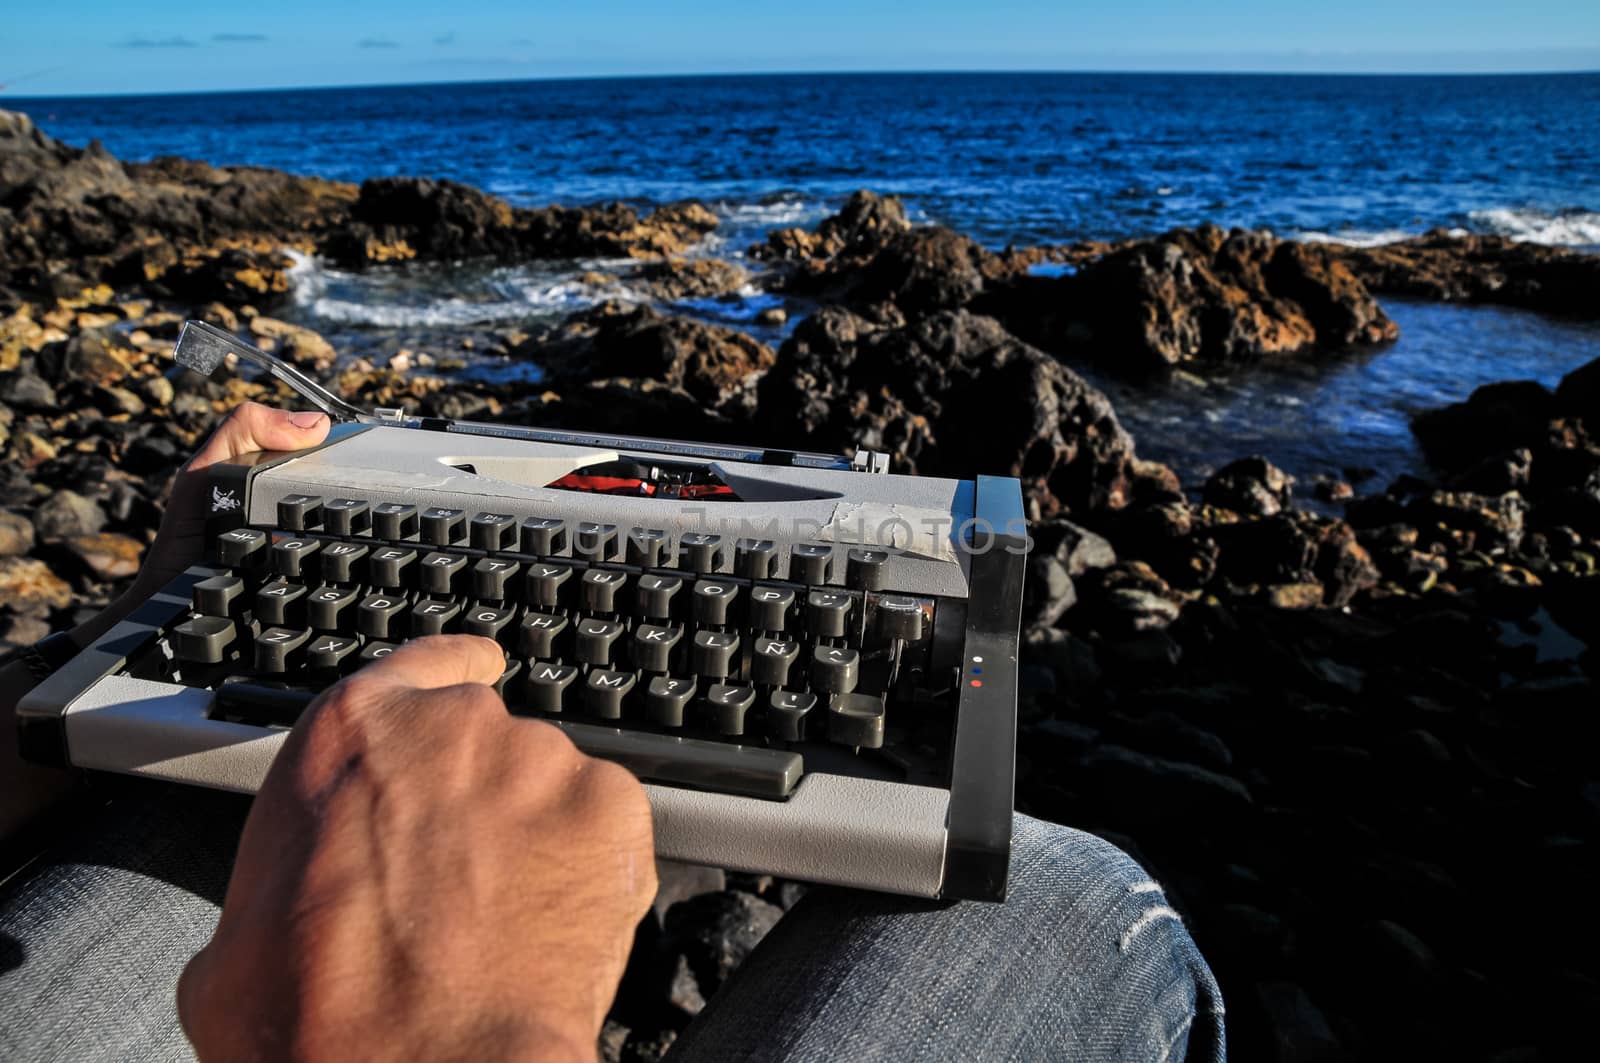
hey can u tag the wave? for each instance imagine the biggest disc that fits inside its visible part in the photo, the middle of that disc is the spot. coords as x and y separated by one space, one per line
1358 237
385 299
1572 227
781 212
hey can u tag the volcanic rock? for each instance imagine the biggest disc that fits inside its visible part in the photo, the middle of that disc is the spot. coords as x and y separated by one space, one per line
951 394
1252 486
1480 269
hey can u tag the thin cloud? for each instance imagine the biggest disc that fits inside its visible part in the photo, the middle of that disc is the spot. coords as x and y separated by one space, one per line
239 38
157 42
446 38
375 42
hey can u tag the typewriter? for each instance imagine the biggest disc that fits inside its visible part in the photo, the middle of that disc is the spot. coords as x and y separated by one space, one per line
810 662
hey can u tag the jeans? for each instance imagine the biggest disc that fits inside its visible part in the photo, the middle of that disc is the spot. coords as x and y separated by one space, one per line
1086 961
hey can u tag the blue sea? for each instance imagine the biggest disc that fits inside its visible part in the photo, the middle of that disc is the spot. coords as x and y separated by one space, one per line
1008 158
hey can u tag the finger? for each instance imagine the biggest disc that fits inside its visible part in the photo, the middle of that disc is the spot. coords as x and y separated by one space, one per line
439 661
252 427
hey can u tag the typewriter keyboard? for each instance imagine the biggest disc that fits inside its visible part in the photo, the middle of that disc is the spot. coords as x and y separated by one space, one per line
692 659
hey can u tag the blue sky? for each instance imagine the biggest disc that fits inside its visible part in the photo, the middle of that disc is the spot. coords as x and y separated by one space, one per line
97 46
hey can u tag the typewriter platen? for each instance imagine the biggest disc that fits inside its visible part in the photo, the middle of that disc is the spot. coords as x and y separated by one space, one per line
811 663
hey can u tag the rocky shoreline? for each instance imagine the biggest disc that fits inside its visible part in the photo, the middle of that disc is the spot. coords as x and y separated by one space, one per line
1354 748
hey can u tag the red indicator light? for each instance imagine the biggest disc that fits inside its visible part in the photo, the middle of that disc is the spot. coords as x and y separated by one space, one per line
977 682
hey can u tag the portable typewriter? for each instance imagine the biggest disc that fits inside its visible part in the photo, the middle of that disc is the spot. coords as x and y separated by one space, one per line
810 662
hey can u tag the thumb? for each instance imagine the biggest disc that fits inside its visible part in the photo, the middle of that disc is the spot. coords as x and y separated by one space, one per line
252 427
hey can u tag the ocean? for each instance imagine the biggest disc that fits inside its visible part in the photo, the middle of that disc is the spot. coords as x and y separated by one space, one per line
1007 158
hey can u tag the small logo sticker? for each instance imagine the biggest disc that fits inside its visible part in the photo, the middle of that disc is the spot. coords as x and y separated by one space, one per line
222 501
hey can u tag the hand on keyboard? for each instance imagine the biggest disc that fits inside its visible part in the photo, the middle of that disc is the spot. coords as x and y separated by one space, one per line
250 427
425 876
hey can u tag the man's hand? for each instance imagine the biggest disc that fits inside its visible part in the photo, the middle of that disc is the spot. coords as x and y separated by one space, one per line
424 876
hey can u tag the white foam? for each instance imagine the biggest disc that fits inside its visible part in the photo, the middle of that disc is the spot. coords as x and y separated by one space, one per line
779 213
1358 237
1572 227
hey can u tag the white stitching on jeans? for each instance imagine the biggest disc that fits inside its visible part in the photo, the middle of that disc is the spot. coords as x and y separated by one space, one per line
1151 915
1172 1042
1145 887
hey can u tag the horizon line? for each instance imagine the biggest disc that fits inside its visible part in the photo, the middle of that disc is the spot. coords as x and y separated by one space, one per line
5 94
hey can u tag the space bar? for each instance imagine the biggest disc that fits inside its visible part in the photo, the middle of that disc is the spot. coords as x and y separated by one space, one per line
748 770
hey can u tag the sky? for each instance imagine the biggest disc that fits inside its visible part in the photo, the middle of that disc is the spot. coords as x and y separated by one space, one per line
78 47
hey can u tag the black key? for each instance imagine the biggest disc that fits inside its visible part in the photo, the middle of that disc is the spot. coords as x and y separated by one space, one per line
203 639
278 649
218 596
728 705
769 608
856 720
260 704
487 620
787 713
494 531
294 558
653 645
595 639
543 584
299 512
600 587
327 607
597 542
899 618
604 691
772 660
341 562
645 547
439 572
431 616
827 614
281 604
712 598
812 563
442 527
537 634
864 568
382 615
713 653
395 521
391 566
491 578
755 558
546 536
653 595
835 669
327 654
346 516
716 766
665 698
546 685
244 548
700 551
374 651
506 685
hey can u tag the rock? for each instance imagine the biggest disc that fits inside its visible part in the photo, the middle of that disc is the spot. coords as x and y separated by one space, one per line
234 276
865 223
1169 794
922 270
1298 1029
914 392
1494 419
716 367
16 534
1132 609
28 586
1202 296
1252 486
66 515
107 555
405 217
1480 269
674 279
772 316
1294 595
716 931
1579 394
27 391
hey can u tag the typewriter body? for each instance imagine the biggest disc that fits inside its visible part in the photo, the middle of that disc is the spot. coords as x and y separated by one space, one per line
811 663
